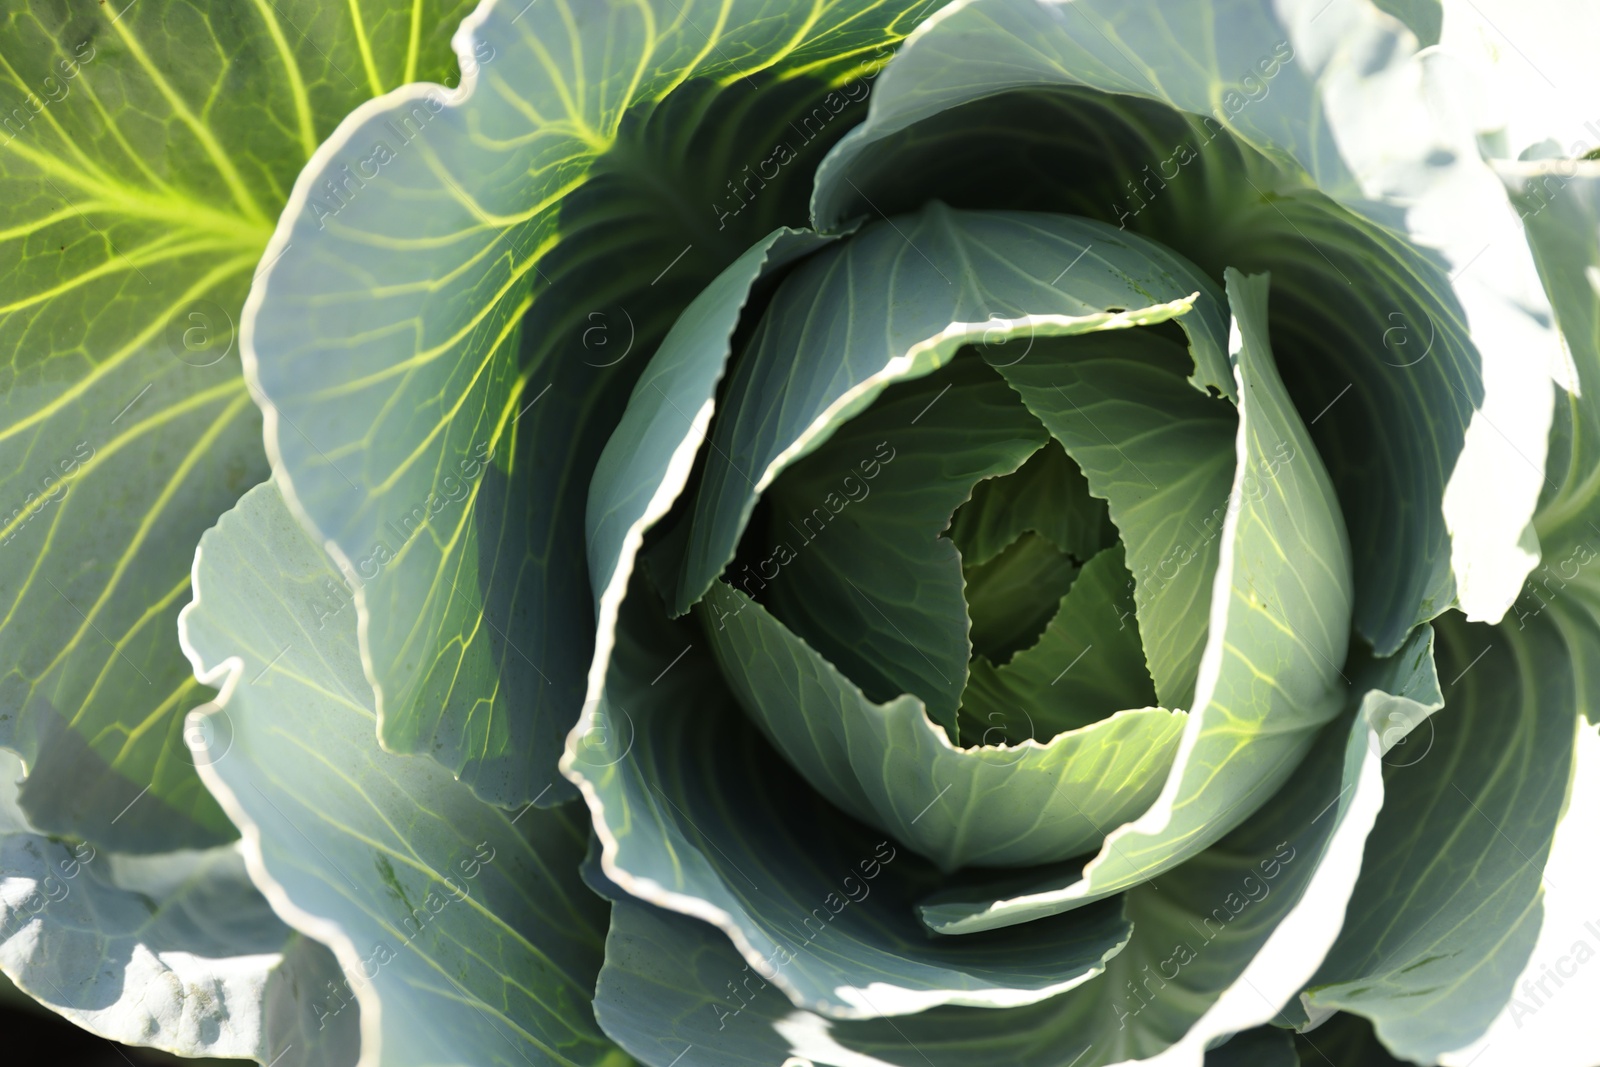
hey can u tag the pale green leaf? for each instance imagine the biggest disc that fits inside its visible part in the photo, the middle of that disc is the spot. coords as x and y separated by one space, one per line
1162 456
1296 138
1270 677
892 767
464 930
823 352
176 951
696 813
464 289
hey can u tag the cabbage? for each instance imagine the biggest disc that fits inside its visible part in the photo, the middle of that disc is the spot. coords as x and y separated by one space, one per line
1041 532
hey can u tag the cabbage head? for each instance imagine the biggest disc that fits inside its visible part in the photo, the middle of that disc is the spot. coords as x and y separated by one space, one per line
843 533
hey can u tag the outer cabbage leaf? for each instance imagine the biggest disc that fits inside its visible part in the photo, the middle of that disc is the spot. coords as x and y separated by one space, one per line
696 813
1546 1015
1227 940
177 951
465 289
146 149
1448 904
464 930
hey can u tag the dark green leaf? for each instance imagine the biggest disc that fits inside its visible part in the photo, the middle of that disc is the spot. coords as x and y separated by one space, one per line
464 291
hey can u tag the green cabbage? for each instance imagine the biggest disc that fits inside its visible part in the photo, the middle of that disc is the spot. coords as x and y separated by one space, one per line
854 533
